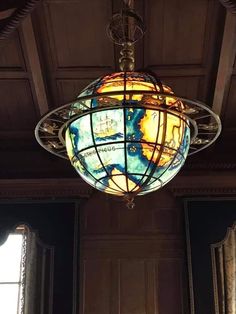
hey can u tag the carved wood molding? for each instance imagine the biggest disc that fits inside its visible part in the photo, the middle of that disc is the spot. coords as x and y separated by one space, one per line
214 165
164 248
44 188
214 183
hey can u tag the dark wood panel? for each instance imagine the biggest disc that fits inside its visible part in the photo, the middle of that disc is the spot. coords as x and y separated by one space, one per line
144 271
96 278
69 89
184 86
149 219
17 111
171 27
20 161
77 33
229 110
96 221
128 220
153 213
62 1
166 221
133 288
169 286
11 53
12 73
128 246
178 71
81 73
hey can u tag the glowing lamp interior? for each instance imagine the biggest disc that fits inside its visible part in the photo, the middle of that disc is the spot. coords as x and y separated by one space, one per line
131 145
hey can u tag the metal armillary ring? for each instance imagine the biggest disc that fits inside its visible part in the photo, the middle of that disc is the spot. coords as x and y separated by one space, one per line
102 125
127 133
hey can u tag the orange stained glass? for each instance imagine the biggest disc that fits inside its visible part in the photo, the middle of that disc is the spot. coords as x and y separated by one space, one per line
118 86
117 82
163 129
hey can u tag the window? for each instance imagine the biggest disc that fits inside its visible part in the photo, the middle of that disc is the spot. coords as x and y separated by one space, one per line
50 276
12 272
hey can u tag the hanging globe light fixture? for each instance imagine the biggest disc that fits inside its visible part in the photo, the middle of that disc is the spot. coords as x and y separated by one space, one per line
127 133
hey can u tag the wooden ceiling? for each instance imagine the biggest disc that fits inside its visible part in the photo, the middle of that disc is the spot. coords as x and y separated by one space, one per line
63 46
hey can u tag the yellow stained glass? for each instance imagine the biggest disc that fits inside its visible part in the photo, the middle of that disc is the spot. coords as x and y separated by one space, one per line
120 180
134 148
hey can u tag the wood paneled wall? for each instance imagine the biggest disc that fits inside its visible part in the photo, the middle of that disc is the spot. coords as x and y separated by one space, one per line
132 261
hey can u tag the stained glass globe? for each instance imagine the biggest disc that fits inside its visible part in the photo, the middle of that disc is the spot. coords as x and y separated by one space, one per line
130 136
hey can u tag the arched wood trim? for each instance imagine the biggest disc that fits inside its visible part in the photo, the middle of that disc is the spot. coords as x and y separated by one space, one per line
229 5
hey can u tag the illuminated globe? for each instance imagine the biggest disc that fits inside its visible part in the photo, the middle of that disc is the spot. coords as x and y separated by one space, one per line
131 136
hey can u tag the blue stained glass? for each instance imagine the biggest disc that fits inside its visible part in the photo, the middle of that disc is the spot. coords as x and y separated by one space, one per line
89 164
128 148
80 133
112 156
184 147
107 126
